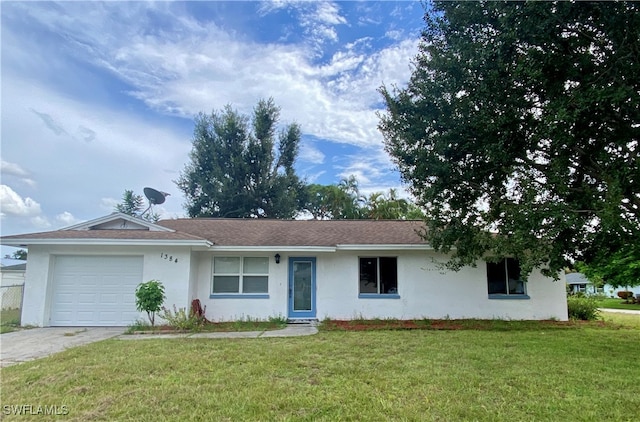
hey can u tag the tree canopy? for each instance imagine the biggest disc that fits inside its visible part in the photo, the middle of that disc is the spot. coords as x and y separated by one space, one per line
237 170
133 204
518 130
344 201
20 254
619 269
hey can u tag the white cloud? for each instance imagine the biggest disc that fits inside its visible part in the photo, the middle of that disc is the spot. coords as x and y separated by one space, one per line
328 13
66 219
311 154
313 177
395 34
374 172
320 22
13 169
199 66
318 18
40 222
13 204
109 204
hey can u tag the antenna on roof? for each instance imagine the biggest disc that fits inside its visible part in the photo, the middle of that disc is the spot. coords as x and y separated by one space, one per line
155 197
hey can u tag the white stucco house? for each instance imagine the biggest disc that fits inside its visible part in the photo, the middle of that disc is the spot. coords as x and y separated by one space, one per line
86 275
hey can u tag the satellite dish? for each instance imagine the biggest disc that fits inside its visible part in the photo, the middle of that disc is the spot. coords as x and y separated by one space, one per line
155 197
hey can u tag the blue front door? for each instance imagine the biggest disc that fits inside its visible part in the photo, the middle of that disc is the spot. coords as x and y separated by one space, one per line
302 287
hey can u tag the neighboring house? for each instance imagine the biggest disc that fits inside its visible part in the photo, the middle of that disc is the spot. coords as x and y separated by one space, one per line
578 283
12 275
611 291
259 268
8 262
11 282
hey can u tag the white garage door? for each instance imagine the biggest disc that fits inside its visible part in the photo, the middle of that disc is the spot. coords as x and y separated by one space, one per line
95 290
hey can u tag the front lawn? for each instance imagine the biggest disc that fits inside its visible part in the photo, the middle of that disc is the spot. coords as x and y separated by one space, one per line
580 372
617 303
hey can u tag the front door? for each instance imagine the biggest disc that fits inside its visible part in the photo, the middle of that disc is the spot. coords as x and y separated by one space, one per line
302 287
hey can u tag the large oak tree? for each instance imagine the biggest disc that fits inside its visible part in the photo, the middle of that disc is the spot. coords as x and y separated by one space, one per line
238 170
518 131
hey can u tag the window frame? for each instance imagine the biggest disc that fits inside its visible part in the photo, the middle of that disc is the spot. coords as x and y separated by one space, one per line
507 294
241 274
378 294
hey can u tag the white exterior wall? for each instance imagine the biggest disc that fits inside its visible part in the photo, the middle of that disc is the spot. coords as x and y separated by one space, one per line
38 284
428 292
425 291
232 309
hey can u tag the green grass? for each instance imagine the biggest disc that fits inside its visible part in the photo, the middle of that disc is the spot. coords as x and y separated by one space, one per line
444 324
581 372
624 320
617 303
247 324
9 320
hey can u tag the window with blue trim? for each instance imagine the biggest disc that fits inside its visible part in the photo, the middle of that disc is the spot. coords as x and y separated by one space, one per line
503 278
240 275
378 275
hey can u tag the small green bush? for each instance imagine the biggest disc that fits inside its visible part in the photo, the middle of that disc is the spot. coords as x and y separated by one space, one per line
583 308
149 298
180 319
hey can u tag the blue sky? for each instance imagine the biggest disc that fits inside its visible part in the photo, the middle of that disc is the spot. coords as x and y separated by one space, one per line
100 97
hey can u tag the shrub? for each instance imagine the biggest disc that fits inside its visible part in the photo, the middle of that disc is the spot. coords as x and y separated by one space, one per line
625 295
149 298
583 308
180 319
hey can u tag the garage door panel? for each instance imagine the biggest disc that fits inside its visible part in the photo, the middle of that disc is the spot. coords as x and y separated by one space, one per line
95 290
110 299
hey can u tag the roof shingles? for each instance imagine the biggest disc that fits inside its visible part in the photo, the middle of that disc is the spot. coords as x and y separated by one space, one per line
257 232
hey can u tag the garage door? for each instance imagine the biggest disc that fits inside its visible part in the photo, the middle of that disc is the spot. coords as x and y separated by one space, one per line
95 290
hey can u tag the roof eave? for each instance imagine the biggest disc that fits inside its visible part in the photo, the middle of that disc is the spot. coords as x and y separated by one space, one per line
283 248
24 243
384 247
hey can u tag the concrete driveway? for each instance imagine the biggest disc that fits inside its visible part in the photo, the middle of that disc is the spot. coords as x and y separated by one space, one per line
35 343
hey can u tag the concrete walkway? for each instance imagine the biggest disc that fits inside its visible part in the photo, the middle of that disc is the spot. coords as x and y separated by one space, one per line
30 344
620 311
34 343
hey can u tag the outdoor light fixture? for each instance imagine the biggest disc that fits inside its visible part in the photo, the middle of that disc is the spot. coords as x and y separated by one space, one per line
277 257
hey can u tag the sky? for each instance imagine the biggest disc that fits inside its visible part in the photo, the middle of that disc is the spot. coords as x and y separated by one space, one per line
97 98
